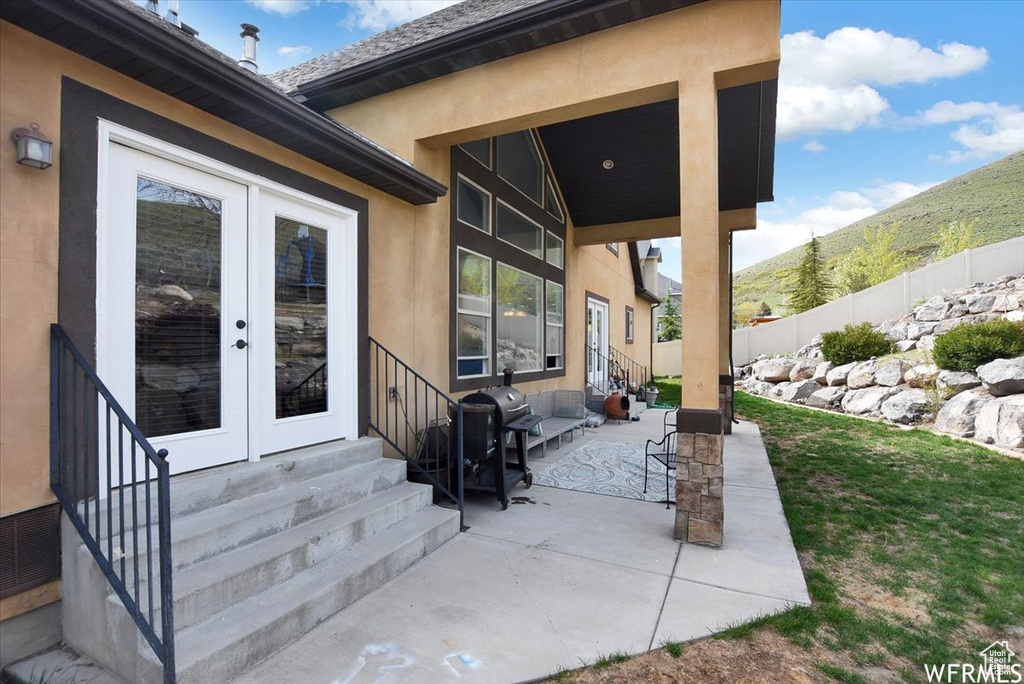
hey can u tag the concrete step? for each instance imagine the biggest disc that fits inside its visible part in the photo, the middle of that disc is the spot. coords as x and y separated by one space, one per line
230 642
214 531
218 583
195 492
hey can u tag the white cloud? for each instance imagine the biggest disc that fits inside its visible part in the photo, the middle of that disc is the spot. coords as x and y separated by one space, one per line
814 147
993 129
294 53
285 8
826 84
839 210
382 14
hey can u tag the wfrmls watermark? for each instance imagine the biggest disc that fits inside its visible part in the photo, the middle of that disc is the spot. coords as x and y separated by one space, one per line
997 668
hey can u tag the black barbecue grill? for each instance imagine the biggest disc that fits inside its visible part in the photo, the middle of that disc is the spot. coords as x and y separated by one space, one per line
488 415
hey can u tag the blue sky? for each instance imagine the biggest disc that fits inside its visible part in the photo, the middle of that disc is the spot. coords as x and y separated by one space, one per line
877 100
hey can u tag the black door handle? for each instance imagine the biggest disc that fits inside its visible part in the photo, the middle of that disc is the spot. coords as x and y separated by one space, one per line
241 344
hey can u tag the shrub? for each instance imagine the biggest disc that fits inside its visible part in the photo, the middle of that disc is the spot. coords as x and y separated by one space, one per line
970 345
854 343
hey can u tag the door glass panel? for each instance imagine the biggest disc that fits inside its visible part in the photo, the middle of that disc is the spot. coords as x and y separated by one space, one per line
177 310
300 311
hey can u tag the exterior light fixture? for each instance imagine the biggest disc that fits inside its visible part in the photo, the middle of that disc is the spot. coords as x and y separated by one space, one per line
608 164
32 147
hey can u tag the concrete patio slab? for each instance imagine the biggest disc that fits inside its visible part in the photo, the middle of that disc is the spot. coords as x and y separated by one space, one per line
558 580
694 610
478 610
625 532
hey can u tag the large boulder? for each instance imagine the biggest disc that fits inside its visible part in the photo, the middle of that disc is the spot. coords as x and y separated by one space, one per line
758 387
775 370
922 375
1015 316
933 310
957 416
916 331
821 372
862 375
799 391
1003 377
979 303
1006 302
827 397
838 375
777 390
906 345
1001 422
867 400
927 343
890 372
954 382
909 406
803 369
896 329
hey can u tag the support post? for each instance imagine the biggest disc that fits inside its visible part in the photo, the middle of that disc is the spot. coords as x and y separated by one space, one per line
699 472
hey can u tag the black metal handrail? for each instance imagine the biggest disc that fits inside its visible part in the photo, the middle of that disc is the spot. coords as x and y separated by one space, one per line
309 396
85 421
416 419
632 371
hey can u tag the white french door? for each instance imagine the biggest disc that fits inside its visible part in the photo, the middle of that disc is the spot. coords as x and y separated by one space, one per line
306 389
597 342
226 310
172 268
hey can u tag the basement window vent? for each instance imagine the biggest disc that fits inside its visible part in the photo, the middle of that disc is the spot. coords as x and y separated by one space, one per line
29 549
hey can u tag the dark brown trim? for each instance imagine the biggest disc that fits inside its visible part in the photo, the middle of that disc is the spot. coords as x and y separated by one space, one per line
594 295
726 380
31 549
157 54
638 278
490 245
699 421
630 319
81 107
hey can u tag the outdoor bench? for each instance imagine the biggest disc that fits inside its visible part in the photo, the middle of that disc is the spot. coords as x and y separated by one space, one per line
561 411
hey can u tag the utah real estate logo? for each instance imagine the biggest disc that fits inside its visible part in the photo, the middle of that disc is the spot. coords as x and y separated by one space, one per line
997 668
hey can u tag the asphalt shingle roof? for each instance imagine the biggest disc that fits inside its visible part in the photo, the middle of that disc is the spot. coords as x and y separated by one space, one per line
441 23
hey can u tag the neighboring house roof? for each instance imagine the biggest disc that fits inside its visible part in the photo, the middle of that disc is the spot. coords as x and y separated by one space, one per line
127 38
666 284
462 36
638 277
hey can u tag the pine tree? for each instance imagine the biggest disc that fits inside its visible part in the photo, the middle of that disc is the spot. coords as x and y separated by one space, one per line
671 328
813 287
765 310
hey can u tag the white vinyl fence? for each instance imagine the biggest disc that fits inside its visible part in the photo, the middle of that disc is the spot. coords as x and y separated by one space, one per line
890 299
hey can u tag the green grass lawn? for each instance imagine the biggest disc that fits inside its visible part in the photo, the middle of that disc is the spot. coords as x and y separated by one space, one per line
912 545
669 391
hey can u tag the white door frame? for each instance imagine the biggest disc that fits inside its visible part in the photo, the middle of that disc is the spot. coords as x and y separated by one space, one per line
594 371
108 132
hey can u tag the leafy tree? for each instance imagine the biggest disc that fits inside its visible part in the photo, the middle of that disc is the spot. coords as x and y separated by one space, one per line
742 313
671 328
813 286
764 310
874 262
955 237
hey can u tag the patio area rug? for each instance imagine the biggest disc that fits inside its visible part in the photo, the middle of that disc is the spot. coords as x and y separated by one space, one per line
610 468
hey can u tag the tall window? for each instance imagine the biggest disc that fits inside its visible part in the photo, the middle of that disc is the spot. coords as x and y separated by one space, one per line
508 261
473 314
555 324
629 325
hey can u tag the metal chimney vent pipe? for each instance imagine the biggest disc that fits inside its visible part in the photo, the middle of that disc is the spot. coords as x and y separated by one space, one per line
249 40
153 6
172 13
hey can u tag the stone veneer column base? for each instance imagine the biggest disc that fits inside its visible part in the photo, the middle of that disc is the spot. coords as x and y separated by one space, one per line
700 510
725 402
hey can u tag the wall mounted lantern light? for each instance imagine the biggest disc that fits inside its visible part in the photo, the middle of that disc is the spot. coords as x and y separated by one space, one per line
33 148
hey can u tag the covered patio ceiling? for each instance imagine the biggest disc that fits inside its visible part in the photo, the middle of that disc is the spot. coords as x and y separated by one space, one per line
642 143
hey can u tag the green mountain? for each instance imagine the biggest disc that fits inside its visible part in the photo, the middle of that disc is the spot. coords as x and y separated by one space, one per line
993 194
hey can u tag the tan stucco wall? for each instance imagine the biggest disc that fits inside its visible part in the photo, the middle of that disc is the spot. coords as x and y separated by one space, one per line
688 54
30 75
